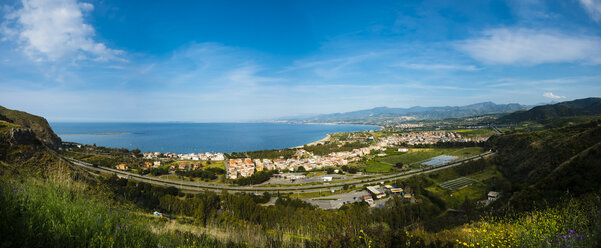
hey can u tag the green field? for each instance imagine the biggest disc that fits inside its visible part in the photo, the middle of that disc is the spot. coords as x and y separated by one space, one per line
472 133
205 164
316 173
457 183
475 191
416 155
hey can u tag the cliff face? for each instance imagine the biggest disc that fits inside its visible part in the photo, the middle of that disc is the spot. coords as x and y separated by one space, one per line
23 149
38 125
20 136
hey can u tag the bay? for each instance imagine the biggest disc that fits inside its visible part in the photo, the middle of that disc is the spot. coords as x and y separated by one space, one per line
198 137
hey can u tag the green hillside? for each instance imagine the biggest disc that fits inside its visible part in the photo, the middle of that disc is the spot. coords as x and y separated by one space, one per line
544 166
546 113
37 124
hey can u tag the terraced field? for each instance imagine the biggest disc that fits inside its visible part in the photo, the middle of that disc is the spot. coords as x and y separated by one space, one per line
457 183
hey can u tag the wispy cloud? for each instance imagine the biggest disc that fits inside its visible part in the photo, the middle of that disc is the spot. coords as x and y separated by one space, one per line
593 7
438 67
531 47
552 96
332 67
55 30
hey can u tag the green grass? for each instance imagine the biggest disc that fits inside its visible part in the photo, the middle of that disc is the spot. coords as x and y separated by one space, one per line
316 173
578 221
457 183
205 164
454 199
323 193
476 191
472 133
487 173
378 166
58 212
5 126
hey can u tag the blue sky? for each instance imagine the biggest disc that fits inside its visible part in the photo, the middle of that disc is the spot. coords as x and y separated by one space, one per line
212 61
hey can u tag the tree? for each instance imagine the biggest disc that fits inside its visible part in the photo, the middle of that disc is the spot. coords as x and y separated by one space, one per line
199 213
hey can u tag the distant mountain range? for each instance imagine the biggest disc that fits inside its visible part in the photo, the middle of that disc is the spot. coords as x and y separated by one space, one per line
385 114
581 107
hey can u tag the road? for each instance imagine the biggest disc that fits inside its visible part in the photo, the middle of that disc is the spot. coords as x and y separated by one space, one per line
195 187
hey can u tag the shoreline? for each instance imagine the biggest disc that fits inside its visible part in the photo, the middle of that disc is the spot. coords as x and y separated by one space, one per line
327 138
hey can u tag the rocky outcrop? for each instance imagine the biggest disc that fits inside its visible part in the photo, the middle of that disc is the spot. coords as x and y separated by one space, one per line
36 124
22 136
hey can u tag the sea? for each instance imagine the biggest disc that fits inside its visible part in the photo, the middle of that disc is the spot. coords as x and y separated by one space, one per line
199 137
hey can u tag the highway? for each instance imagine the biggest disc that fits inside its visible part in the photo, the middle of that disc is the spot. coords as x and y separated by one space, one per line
195 187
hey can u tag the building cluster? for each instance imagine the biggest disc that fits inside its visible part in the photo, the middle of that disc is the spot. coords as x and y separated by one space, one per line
421 138
218 156
244 167
408 125
378 192
247 167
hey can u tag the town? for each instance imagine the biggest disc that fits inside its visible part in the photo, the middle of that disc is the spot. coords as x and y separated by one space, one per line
304 160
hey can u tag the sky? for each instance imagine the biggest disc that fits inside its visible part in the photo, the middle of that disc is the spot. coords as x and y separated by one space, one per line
232 61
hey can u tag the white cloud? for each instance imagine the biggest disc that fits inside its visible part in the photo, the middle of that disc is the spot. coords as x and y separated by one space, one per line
552 96
593 7
438 67
531 47
55 30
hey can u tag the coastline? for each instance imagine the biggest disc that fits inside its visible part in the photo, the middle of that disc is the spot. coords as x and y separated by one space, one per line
327 138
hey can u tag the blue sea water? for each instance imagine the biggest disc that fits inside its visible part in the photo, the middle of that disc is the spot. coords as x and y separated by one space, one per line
199 137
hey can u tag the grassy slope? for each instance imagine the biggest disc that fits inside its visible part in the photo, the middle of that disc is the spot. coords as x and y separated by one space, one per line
547 164
61 212
577 219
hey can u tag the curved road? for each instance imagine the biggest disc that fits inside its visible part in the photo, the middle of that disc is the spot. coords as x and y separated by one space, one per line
192 187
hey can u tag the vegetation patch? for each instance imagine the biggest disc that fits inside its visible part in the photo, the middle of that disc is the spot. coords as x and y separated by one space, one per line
457 183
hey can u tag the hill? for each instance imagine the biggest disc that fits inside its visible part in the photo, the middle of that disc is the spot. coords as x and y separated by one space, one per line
385 114
544 166
546 113
27 143
35 123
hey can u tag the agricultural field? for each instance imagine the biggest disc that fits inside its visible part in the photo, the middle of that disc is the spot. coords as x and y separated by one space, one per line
472 133
316 173
474 191
416 155
205 164
457 183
